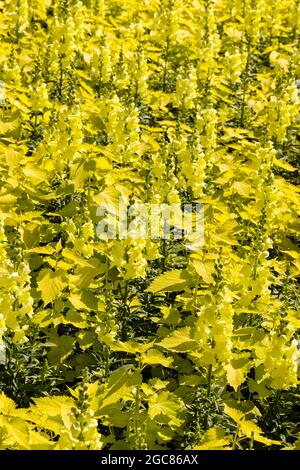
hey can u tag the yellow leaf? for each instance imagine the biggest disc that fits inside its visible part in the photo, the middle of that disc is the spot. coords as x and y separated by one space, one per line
153 356
7 405
216 444
234 414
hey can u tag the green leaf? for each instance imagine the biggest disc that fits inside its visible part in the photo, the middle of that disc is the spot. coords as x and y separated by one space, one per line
86 339
51 284
70 209
214 439
85 274
215 444
18 430
54 405
283 164
248 428
234 414
204 270
7 405
253 431
154 356
180 341
130 346
121 382
237 370
43 250
109 199
235 376
75 318
63 347
164 408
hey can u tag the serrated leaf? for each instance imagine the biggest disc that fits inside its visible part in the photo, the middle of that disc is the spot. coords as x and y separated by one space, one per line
215 444
283 164
235 377
130 346
108 199
7 405
253 431
85 273
63 348
74 318
36 174
121 382
237 371
234 414
248 428
164 408
54 405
